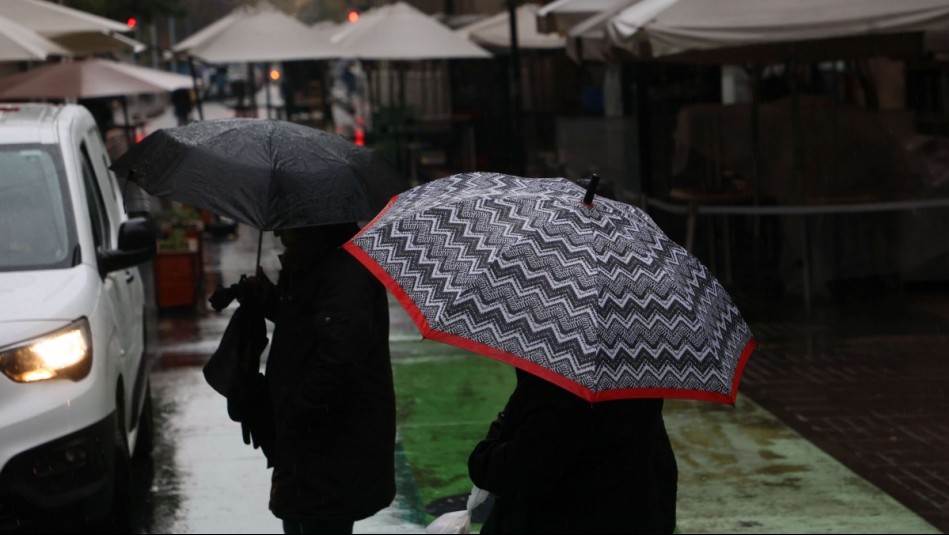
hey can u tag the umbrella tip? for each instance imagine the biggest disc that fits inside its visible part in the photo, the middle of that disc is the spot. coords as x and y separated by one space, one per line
591 189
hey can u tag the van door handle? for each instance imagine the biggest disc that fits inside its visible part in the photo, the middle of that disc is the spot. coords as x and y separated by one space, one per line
129 277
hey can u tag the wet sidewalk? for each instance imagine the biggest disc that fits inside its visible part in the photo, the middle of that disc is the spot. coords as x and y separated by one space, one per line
867 381
841 424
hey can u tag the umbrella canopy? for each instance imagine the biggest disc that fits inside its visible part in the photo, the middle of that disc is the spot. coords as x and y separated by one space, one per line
592 297
495 31
51 18
561 15
658 28
588 39
85 43
19 43
261 33
89 79
400 32
267 173
75 30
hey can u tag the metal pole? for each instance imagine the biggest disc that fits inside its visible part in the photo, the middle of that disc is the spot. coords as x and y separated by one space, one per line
153 35
515 80
194 83
267 86
172 40
797 137
129 138
252 86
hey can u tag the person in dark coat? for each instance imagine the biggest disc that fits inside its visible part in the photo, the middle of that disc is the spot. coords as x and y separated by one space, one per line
559 464
182 102
330 382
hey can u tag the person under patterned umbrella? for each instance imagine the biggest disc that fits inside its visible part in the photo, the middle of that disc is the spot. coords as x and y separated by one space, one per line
558 464
601 314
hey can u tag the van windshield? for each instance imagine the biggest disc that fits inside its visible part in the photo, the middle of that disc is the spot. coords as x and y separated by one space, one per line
34 209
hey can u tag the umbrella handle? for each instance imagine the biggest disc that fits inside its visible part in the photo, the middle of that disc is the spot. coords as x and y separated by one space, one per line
591 189
260 242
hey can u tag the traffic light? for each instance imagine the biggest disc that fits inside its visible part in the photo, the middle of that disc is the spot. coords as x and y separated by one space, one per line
132 22
353 15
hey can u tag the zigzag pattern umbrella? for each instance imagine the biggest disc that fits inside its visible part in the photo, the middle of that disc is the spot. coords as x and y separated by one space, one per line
594 298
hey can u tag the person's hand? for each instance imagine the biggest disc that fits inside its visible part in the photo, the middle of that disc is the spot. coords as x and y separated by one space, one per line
256 287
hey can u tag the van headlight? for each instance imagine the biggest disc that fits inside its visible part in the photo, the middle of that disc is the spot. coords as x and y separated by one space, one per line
63 354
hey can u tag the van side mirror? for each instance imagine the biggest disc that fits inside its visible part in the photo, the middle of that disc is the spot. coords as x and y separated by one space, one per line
137 244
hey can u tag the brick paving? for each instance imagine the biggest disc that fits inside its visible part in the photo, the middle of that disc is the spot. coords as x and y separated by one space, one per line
867 382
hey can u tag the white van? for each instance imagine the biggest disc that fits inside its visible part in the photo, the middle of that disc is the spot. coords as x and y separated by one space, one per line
74 392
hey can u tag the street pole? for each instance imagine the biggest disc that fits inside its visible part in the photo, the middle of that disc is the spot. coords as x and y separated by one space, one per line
517 144
153 35
197 90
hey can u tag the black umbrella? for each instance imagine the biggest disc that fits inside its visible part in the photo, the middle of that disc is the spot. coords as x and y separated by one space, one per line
267 173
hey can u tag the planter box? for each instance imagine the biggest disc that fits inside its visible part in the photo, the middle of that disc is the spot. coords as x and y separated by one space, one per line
176 278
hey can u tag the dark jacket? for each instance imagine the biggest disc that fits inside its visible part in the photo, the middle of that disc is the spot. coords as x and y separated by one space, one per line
330 381
559 464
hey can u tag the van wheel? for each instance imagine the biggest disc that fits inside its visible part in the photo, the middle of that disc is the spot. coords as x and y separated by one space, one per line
146 428
120 515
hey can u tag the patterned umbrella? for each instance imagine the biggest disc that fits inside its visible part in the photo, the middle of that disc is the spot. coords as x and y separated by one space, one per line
588 294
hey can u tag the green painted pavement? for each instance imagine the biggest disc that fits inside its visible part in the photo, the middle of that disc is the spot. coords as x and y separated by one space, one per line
741 470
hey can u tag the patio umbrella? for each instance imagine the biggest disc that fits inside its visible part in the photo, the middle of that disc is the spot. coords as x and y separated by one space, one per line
770 31
256 34
495 31
561 15
19 43
263 33
267 173
52 18
402 33
78 31
88 78
86 43
587 293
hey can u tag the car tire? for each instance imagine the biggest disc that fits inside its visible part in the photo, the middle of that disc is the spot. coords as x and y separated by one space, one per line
146 429
120 514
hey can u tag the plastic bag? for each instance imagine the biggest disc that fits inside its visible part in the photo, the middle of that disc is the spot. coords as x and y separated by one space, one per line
453 522
458 521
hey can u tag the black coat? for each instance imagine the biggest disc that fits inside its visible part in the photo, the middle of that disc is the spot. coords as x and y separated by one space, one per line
559 464
330 381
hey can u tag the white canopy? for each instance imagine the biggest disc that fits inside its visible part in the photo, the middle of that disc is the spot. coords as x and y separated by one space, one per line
257 34
495 31
77 31
561 15
401 32
51 18
659 28
588 39
89 79
84 43
19 43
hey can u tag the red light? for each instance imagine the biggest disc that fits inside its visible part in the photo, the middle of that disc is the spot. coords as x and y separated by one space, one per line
353 16
360 137
139 137
132 22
